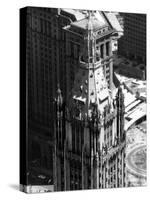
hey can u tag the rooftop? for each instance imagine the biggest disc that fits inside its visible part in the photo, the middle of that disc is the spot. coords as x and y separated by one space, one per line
114 21
99 19
79 14
96 22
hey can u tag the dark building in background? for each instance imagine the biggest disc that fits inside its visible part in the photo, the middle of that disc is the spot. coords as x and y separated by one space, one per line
46 66
133 43
53 49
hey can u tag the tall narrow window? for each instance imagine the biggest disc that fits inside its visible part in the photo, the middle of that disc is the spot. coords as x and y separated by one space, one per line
102 50
107 48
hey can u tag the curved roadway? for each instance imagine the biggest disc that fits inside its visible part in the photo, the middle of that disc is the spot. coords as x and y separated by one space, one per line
132 166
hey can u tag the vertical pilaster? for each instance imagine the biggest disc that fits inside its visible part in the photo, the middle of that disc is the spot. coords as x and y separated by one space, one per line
117 170
107 176
97 170
110 65
55 168
65 167
124 168
101 141
83 168
92 168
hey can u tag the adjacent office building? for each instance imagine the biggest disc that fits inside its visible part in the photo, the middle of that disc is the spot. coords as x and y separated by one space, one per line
133 43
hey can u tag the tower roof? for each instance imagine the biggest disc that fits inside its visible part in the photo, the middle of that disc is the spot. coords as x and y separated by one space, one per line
79 14
84 23
96 19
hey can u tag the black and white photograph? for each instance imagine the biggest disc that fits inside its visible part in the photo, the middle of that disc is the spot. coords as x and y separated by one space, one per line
82 98
74 103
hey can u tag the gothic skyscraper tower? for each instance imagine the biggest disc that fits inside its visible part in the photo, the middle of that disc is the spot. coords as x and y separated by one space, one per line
89 130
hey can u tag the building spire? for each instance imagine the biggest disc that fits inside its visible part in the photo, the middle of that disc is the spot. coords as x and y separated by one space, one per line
90 38
90 26
91 47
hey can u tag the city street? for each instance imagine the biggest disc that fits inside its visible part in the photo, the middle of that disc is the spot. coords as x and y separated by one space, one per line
136 155
136 161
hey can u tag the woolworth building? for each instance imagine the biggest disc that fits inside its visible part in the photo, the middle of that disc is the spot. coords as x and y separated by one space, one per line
89 137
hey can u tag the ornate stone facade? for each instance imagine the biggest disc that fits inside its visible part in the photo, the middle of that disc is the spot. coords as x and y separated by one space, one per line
89 136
